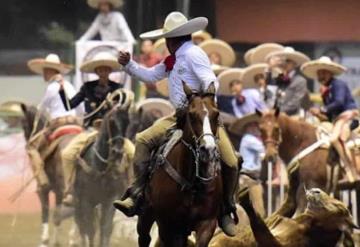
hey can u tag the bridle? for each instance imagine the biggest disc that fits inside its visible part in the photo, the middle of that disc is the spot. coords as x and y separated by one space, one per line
195 150
275 142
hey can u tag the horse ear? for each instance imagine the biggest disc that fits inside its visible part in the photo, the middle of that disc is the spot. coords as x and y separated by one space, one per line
187 90
277 111
258 112
211 89
23 108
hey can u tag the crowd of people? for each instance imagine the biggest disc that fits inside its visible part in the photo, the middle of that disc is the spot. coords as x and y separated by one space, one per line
275 77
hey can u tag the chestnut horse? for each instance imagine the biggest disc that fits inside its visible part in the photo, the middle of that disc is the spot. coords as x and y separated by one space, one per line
188 198
286 137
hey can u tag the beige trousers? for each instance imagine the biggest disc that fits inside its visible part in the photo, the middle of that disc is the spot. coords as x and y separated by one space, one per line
255 193
69 156
155 134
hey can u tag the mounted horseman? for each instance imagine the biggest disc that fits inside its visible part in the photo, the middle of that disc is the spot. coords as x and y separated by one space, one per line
52 69
94 94
187 63
339 107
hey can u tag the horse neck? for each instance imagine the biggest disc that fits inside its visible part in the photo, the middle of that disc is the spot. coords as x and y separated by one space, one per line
102 140
296 136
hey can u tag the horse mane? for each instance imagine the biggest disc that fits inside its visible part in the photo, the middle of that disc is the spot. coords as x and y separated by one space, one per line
32 114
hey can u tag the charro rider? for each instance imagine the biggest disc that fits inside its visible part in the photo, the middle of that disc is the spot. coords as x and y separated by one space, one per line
190 64
52 69
94 94
339 104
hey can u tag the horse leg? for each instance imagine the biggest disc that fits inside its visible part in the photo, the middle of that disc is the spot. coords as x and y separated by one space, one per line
145 222
57 218
170 237
85 220
44 200
204 232
106 223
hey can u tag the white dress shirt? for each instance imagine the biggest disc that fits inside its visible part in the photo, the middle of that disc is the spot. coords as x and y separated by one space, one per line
111 26
52 103
192 66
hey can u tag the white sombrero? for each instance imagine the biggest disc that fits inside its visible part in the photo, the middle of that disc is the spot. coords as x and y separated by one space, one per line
160 46
222 48
250 72
238 126
163 87
217 69
95 3
247 55
261 51
176 25
162 105
52 61
11 109
100 59
291 54
226 77
201 34
310 68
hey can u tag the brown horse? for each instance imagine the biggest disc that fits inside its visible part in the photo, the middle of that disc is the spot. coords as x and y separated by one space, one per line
286 137
190 202
53 169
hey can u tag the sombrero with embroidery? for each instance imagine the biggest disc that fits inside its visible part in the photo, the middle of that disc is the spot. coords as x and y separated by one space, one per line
226 77
258 55
52 61
162 105
160 46
247 55
225 51
11 109
238 127
310 68
176 25
201 34
95 3
101 59
249 73
162 87
290 53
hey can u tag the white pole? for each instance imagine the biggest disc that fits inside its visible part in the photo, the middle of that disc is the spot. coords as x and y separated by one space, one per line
282 183
269 189
354 206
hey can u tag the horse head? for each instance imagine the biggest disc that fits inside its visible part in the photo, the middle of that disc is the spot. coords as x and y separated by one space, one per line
202 118
113 127
33 121
270 133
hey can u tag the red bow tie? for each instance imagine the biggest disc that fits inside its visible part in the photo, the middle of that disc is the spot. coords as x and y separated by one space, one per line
169 62
325 91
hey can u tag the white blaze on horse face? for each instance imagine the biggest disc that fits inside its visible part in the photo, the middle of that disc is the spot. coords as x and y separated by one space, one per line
208 134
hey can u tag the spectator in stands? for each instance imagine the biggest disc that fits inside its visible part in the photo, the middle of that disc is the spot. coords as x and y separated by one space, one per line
110 24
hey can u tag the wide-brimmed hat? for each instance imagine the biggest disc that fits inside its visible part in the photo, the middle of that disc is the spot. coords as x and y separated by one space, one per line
115 3
226 77
310 68
261 51
100 59
163 87
250 72
225 51
176 25
52 61
160 46
247 55
201 34
290 53
162 105
238 127
217 69
11 109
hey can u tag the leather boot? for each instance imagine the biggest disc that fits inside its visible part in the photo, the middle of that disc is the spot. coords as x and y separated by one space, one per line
37 165
131 202
230 182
